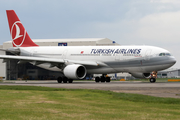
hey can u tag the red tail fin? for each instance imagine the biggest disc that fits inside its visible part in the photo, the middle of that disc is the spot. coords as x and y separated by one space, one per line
20 37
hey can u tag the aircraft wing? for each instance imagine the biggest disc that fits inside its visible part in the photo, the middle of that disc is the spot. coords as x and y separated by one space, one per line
40 60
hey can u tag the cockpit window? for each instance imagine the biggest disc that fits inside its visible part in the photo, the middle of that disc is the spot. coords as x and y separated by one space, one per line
168 54
164 54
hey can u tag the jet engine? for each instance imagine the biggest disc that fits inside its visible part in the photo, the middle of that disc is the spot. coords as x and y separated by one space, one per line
141 75
75 71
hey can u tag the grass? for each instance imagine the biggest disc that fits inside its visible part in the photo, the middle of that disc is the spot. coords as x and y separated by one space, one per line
39 103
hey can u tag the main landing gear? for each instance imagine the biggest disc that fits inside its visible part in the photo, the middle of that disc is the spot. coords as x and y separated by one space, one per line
103 78
64 80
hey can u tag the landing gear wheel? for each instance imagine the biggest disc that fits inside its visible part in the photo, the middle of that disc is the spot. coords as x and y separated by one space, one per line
152 80
97 79
59 79
108 79
70 80
65 79
103 79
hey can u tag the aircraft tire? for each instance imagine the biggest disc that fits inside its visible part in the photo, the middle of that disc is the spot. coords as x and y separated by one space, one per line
152 80
97 79
59 79
103 79
108 79
65 79
70 81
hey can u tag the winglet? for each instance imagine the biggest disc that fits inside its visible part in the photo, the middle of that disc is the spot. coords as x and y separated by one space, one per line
20 37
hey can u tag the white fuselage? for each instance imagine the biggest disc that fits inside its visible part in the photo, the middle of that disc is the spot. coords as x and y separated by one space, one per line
112 59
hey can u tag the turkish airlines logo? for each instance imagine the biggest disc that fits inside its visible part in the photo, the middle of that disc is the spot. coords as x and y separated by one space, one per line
18 34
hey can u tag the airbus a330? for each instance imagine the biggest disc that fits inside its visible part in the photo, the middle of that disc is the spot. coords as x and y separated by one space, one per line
77 61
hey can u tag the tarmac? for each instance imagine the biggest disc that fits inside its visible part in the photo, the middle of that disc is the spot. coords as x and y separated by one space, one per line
159 89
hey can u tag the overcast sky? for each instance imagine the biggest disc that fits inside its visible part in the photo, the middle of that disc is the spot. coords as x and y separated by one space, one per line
128 22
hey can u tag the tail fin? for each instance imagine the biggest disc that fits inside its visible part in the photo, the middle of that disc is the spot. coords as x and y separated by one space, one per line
20 37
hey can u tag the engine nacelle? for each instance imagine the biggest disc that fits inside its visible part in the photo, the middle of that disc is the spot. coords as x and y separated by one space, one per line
75 71
141 75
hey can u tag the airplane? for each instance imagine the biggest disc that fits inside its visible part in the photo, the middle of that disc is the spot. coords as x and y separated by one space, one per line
75 62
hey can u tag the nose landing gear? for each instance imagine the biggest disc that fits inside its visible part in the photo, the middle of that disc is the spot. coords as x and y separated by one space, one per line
152 80
153 77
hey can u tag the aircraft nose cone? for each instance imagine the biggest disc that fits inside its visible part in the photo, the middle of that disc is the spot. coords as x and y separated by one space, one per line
172 60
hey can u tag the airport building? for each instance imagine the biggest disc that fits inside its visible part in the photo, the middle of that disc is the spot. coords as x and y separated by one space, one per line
169 73
10 70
